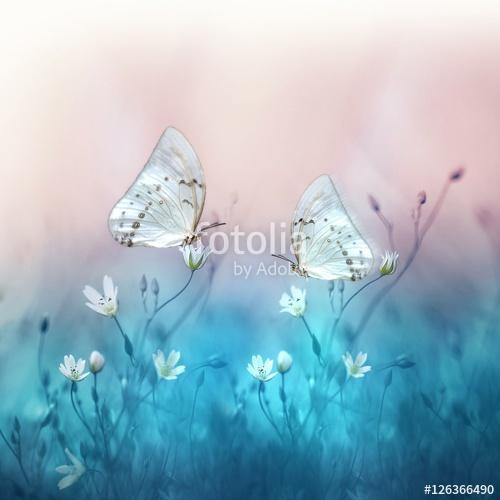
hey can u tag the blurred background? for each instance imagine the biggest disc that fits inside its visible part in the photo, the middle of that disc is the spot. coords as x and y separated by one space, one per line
386 99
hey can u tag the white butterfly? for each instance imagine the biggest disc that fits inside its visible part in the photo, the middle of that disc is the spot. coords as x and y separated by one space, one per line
325 241
163 206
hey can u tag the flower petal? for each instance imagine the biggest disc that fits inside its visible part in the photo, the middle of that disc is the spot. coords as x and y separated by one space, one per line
96 308
67 364
80 365
107 286
173 358
348 360
67 481
178 370
65 469
73 459
268 366
252 371
92 294
360 358
285 300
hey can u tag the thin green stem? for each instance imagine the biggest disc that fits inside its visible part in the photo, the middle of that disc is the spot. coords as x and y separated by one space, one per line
285 410
122 412
127 344
379 449
82 420
191 419
18 458
161 306
419 237
120 446
355 294
107 452
344 307
316 346
157 309
268 417
41 344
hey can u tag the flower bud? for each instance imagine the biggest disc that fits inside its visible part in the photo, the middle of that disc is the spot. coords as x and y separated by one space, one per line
374 203
457 174
421 197
143 284
96 362
44 324
195 256
155 287
284 362
389 263
216 362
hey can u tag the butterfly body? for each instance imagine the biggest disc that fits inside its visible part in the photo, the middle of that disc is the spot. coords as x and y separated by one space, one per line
163 206
325 241
299 270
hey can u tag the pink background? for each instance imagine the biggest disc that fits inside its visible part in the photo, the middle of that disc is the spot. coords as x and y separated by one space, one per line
386 98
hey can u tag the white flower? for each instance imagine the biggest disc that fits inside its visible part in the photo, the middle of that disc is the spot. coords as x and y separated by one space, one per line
96 361
296 304
72 473
105 304
166 368
195 256
389 263
261 370
72 369
355 368
284 361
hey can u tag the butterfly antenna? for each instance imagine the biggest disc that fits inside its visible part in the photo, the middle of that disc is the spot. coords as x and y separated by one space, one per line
282 257
214 224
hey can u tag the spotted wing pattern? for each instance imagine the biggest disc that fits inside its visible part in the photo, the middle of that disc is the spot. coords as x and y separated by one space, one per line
326 243
164 204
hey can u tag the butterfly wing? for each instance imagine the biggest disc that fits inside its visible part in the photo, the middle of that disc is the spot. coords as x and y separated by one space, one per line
164 204
326 243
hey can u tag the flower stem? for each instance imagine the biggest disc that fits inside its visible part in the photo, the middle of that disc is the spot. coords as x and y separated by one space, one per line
82 420
419 237
379 449
268 417
41 344
191 419
316 346
285 410
344 307
18 458
389 227
158 309
127 344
